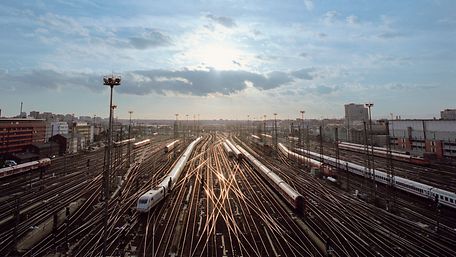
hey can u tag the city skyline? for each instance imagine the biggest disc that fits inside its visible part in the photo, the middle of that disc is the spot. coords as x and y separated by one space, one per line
229 59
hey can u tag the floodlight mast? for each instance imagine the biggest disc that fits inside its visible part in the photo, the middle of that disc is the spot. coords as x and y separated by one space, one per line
111 81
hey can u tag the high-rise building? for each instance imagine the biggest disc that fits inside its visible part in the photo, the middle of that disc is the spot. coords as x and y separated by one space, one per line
355 113
17 134
448 114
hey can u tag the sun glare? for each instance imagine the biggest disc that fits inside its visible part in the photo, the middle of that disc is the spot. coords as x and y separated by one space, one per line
218 56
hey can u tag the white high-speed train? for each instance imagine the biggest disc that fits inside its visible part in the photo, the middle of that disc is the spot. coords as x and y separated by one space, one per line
444 197
154 196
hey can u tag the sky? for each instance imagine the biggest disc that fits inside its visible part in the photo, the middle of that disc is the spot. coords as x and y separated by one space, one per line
229 59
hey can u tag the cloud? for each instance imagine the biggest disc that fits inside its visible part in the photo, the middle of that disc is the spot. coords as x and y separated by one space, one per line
199 82
321 35
309 4
306 74
330 17
237 63
390 35
222 20
266 57
161 81
150 39
447 21
62 24
352 20
325 90
50 79
407 87
256 32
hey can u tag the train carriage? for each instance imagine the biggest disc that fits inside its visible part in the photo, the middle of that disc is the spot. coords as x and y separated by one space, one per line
293 197
444 197
169 147
24 167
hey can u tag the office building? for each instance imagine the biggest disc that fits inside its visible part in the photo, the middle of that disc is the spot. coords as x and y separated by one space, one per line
17 134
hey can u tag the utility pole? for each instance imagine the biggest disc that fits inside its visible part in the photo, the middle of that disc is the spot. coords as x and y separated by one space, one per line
129 142
50 141
198 125
110 81
391 202
275 131
301 130
369 106
248 125
186 130
176 133
72 134
321 144
264 130
367 159
308 145
336 140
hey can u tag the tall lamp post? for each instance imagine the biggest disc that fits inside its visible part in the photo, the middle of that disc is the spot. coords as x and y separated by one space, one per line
111 81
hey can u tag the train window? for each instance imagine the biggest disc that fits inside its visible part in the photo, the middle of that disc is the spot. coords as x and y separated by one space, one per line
451 200
446 198
441 196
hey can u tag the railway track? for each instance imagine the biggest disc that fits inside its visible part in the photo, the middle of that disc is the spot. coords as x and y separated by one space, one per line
220 206
357 228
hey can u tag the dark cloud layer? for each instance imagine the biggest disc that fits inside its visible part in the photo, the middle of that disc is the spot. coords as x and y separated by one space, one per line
49 79
199 82
143 82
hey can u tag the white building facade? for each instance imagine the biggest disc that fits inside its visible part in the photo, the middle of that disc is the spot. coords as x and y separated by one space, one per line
55 128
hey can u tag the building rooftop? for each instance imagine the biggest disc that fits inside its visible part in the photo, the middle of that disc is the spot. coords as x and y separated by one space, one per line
20 119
